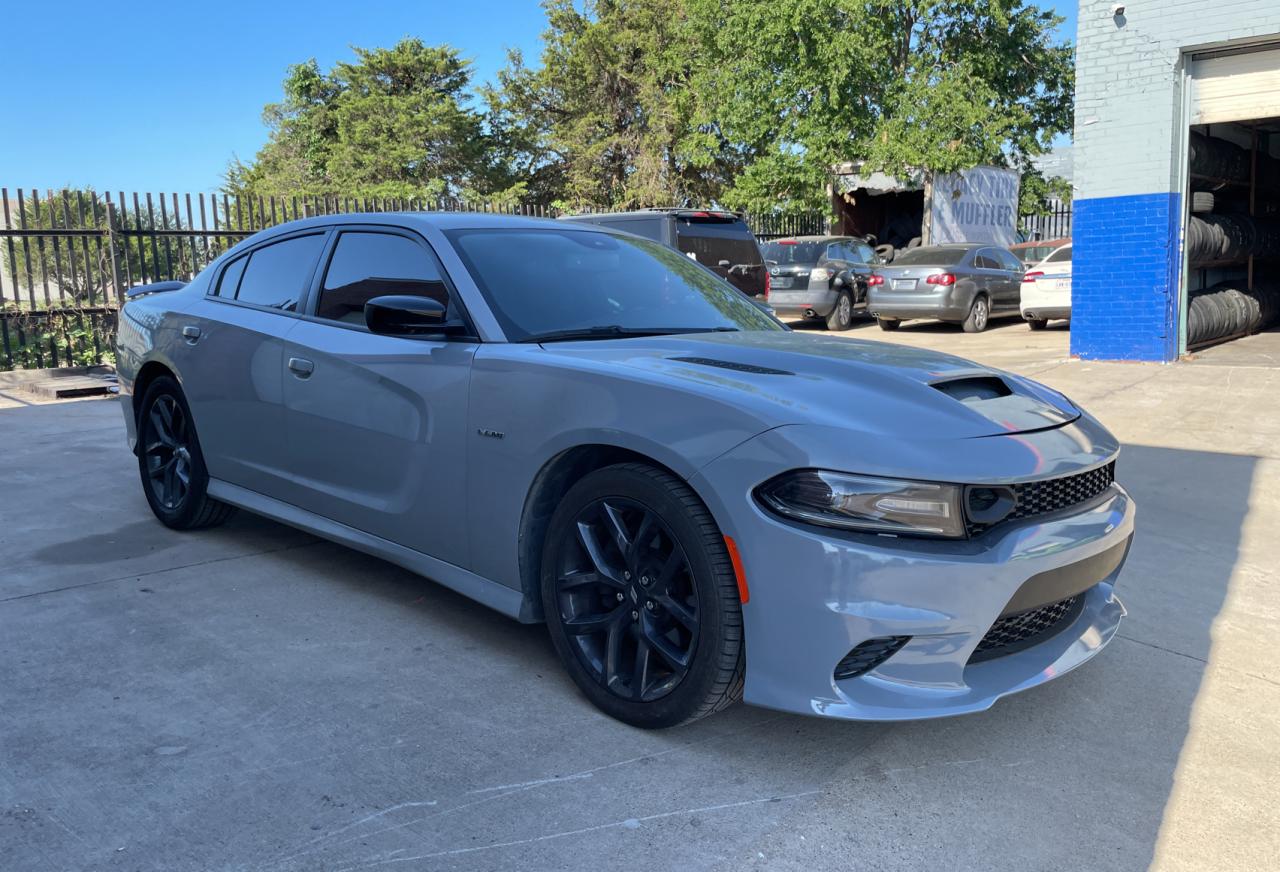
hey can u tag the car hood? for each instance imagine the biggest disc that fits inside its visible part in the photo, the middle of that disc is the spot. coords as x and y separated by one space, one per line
871 387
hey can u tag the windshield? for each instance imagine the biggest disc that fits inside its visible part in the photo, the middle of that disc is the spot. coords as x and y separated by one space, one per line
542 281
930 256
794 252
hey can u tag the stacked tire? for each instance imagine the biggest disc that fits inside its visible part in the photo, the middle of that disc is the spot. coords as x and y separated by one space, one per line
1217 238
1227 310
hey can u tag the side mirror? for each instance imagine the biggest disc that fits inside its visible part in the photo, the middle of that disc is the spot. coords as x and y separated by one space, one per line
408 316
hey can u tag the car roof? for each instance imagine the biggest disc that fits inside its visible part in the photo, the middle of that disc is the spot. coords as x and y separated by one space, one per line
813 238
676 211
438 220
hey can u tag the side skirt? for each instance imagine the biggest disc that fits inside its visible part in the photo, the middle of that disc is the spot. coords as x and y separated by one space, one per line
483 590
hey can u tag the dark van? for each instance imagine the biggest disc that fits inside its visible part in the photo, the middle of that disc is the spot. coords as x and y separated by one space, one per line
720 241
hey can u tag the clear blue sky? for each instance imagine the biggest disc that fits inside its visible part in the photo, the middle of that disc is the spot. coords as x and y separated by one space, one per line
159 95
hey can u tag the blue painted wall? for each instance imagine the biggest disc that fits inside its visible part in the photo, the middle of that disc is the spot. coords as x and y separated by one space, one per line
1126 261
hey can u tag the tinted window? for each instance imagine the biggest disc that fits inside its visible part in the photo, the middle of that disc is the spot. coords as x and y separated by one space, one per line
537 281
863 253
985 259
790 251
1062 255
930 255
367 265
1006 259
711 242
231 278
278 273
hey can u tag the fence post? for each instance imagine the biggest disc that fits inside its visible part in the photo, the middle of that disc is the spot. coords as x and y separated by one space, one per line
113 252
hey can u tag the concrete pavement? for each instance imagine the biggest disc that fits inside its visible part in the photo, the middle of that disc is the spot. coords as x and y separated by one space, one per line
252 698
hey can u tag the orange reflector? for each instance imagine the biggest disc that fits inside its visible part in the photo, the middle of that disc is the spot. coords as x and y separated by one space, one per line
736 559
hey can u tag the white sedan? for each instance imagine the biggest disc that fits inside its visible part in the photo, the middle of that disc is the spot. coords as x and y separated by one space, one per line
1046 290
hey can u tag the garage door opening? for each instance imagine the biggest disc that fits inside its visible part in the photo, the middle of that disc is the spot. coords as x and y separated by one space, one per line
1232 231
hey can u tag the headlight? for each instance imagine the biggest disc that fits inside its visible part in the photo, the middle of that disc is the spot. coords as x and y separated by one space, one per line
860 502
820 275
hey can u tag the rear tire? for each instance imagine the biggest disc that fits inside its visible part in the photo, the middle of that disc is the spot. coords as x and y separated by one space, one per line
979 315
170 463
1037 323
888 324
841 317
641 599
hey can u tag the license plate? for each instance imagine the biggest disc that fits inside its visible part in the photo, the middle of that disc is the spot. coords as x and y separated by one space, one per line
904 284
781 283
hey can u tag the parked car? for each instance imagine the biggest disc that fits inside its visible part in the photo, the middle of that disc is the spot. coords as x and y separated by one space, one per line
819 277
1036 250
720 241
576 425
1046 290
966 284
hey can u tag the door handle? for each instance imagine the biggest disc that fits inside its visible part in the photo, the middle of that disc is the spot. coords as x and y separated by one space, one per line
301 367
191 333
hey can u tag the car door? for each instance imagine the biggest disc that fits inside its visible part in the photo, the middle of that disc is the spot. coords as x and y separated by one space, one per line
1013 272
376 423
235 350
992 278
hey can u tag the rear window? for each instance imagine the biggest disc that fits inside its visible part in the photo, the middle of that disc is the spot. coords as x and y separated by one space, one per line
793 252
711 241
1061 255
277 274
930 256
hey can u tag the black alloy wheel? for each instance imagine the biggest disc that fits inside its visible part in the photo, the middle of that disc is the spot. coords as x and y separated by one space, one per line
641 598
166 451
174 478
628 600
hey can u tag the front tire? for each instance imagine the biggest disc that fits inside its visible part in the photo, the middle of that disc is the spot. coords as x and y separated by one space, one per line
979 315
841 317
1037 323
888 324
174 478
641 599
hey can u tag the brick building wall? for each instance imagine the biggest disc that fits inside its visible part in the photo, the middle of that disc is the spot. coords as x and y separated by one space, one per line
1129 141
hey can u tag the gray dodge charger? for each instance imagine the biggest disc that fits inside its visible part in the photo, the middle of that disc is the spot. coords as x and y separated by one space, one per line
582 427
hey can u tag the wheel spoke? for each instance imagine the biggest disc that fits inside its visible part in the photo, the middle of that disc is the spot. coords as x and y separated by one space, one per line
160 469
670 569
677 660
617 529
644 533
170 497
613 655
591 544
640 672
679 611
160 424
584 578
591 624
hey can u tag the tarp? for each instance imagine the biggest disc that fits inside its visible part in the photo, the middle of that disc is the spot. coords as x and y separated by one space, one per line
974 205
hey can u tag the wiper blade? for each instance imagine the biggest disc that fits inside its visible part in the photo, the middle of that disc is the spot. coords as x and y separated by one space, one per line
617 331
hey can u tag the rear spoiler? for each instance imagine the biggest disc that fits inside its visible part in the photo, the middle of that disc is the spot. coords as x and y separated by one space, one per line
155 288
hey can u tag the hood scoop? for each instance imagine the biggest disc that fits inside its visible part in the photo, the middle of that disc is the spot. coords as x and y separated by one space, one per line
973 389
729 364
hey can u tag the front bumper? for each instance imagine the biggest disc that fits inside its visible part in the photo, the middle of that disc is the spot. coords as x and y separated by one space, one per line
816 593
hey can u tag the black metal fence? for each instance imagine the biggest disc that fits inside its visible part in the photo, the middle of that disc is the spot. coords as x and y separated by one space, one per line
68 256
1052 224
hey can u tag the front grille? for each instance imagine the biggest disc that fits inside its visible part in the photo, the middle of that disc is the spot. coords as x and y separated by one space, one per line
868 655
1042 497
1015 632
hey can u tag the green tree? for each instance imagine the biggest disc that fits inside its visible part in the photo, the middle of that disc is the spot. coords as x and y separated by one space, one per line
939 84
397 122
610 118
